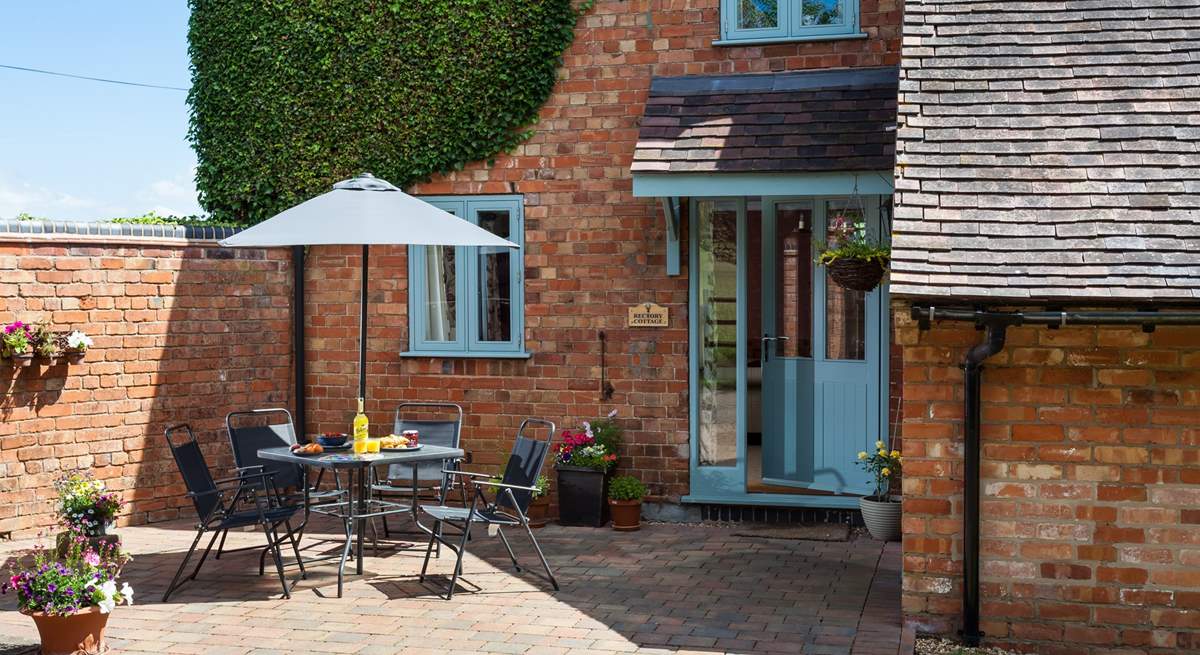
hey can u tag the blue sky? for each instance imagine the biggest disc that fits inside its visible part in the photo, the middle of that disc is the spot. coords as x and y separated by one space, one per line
75 149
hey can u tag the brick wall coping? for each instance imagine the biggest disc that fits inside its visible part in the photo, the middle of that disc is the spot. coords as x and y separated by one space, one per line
84 231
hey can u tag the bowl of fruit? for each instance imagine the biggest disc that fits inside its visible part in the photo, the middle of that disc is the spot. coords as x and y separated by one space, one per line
332 439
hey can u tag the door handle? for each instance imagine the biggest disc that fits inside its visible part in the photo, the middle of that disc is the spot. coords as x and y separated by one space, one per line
766 348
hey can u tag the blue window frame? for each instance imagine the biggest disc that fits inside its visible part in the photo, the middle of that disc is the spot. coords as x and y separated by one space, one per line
769 21
470 302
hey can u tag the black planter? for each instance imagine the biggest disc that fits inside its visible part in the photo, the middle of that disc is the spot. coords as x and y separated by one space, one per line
581 497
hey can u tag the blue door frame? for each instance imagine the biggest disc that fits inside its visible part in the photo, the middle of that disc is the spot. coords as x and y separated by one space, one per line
839 393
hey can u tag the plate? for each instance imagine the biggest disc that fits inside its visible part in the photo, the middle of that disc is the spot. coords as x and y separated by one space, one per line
345 446
401 450
304 454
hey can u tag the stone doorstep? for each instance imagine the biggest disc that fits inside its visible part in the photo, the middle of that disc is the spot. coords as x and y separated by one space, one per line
14 646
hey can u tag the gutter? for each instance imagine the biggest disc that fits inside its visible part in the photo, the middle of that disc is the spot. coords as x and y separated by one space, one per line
995 326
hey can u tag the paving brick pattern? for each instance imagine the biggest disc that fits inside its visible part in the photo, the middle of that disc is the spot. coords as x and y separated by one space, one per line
666 589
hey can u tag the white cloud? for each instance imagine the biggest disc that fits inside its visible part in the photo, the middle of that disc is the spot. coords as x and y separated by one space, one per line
17 196
174 196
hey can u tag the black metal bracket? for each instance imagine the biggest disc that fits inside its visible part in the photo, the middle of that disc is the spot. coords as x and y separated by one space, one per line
606 387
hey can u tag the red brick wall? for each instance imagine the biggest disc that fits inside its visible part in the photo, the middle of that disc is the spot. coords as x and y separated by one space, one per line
184 332
1090 532
592 251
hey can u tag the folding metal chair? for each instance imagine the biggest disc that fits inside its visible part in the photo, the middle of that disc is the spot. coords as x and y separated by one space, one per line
254 429
430 476
513 494
224 504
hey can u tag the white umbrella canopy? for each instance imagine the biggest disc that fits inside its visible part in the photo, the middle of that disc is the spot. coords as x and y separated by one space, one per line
365 211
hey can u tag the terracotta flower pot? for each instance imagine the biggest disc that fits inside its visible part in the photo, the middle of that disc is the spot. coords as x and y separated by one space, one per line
539 511
75 356
82 631
881 516
626 514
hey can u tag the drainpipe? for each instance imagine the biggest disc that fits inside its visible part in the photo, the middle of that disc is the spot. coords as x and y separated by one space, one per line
993 343
995 325
298 338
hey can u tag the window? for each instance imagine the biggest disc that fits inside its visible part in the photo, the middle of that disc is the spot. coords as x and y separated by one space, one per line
469 302
785 20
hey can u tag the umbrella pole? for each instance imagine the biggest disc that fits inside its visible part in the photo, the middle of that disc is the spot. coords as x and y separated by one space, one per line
362 328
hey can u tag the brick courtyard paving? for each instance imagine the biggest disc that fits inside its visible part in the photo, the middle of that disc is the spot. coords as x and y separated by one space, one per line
666 589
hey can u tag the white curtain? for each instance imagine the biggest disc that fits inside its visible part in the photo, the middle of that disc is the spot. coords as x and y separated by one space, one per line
438 290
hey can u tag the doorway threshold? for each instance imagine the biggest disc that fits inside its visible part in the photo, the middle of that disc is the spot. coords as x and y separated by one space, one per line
774 500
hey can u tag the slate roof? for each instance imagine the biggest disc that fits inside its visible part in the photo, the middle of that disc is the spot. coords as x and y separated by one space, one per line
1049 150
828 120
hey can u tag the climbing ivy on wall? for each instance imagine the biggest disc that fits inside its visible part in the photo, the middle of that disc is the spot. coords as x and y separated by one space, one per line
290 96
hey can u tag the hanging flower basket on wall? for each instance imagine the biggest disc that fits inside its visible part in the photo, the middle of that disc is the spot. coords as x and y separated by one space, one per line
856 274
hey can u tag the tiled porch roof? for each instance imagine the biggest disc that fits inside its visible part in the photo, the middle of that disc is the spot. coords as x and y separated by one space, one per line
811 121
1049 150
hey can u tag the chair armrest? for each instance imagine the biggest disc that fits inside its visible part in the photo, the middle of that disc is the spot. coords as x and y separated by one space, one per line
245 478
467 473
501 485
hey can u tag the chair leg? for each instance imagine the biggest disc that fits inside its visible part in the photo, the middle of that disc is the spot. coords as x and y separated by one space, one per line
346 551
182 565
221 546
507 547
291 535
541 555
203 557
273 545
437 527
462 550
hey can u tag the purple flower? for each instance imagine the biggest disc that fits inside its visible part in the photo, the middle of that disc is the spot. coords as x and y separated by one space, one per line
51 587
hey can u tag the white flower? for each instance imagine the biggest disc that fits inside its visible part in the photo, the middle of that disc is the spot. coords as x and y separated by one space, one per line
612 413
127 593
109 589
107 605
79 341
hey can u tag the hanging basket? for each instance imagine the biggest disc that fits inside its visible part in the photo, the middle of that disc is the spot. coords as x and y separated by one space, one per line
856 274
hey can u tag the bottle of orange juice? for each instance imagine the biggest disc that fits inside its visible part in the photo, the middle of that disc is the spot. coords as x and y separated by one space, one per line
360 430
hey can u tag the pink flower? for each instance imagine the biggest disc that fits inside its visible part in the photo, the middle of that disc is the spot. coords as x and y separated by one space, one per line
92 557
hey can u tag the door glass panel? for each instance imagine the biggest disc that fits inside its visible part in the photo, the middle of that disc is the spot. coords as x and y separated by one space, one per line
845 309
495 280
716 271
758 14
821 12
441 305
793 278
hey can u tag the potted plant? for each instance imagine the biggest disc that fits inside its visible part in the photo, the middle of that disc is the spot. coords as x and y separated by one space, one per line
75 345
582 463
539 507
70 598
853 261
44 343
86 509
880 511
625 494
15 343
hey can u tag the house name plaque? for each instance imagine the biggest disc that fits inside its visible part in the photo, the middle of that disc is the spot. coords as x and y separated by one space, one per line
648 315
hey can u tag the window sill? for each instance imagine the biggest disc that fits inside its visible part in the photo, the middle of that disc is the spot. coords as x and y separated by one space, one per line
462 354
790 39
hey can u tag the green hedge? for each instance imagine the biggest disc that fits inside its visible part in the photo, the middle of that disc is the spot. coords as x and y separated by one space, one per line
290 96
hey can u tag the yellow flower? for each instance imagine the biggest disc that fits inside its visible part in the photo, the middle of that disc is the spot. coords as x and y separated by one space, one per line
886 472
862 455
883 452
896 454
879 444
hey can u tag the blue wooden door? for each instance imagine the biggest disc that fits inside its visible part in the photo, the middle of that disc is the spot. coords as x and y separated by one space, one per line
821 352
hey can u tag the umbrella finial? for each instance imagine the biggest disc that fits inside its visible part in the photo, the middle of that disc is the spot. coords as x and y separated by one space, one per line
365 182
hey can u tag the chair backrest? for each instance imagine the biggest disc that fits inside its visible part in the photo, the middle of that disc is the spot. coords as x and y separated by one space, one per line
435 432
196 476
525 463
272 428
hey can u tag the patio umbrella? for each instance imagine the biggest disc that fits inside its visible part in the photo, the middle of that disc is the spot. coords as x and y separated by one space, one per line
364 211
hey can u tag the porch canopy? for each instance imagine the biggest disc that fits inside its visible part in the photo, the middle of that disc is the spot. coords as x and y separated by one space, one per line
825 132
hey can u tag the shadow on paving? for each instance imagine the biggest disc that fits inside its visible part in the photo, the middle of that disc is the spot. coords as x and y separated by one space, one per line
666 588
